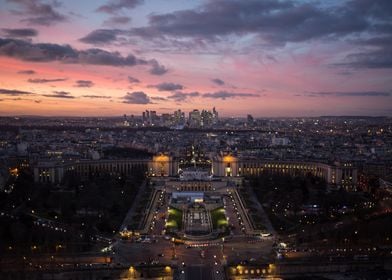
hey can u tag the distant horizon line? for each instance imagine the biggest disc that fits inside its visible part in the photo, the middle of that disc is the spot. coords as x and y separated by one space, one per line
223 117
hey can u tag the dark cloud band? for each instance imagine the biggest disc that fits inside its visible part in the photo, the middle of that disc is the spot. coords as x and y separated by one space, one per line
225 95
45 52
84 83
38 12
60 94
137 97
43 81
350 94
14 92
114 6
167 86
20 32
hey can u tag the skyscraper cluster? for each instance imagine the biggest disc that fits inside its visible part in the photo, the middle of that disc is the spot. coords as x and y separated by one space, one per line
196 118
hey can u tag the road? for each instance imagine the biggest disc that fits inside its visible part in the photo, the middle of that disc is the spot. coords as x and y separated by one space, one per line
197 272
237 249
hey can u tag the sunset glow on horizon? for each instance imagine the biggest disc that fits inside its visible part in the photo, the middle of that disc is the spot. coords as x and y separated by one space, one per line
265 58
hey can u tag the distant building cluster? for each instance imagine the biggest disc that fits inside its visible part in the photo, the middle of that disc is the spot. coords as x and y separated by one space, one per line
176 120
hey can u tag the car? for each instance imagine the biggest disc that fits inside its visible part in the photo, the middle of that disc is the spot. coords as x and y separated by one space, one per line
146 241
161 255
361 257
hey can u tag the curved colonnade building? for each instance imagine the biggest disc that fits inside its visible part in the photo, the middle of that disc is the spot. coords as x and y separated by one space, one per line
336 174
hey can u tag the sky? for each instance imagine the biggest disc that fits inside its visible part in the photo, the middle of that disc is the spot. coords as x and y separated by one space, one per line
261 57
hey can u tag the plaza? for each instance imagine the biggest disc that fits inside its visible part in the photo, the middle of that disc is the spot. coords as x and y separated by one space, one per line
198 205
195 218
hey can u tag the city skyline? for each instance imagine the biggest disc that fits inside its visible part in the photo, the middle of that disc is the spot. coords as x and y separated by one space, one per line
265 58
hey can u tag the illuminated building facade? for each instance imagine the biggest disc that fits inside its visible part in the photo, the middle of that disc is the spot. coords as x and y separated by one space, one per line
338 174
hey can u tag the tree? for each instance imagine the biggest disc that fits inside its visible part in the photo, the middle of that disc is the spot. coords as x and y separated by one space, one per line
18 231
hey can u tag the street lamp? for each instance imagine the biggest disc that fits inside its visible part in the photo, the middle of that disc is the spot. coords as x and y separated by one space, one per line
168 270
132 271
174 256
